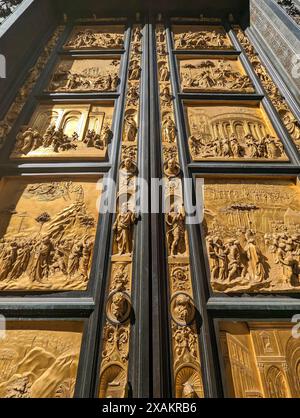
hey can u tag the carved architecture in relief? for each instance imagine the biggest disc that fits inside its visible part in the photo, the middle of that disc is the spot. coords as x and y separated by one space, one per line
288 119
185 344
66 131
96 37
212 74
16 107
262 360
39 359
47 233
85 75
252 230
116 335
200 37
232 132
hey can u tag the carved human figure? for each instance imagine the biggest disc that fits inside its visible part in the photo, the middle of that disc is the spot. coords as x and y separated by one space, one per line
134 71
183 310
41 265
292 125
119 307
165 96
130 128
169 129
123 229
171 168
29 140
257 268
176 231
164 73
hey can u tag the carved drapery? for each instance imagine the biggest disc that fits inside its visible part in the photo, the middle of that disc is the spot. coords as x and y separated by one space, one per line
116 333
185 339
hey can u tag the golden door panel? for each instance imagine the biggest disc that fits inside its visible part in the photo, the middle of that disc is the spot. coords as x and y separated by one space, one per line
231 131
96 37
76 131
213 74
200 37
86 75
261 360
252 229
47 232
39 359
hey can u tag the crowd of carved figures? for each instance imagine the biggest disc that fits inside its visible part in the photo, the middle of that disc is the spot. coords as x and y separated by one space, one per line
231 146
208 39
214 75
30 139
252 247
16 107
57 250
116 335
290 122
186 364
93 39
291 8
86 79
7 7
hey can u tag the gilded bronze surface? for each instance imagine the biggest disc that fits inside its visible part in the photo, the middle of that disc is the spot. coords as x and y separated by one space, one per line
213 74
252 229
33 75
262 360
96 37
85 75
116 334
66 131
39 359
47 233
235 131
200 37
185 343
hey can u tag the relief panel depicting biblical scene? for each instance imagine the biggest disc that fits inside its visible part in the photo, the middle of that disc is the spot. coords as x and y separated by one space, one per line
226 131
86 75
261 360
80 131
200 37
213 74
39 359
96 37
252 230
47 232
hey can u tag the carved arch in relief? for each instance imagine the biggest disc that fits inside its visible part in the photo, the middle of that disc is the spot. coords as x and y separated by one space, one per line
293 361
113 381
276 383
188 382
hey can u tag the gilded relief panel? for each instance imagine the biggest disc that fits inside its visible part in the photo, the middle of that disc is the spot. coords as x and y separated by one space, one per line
39 359
86 75
261 360
96 37
47 233
237 131
66 131
213 74
252 230
200 37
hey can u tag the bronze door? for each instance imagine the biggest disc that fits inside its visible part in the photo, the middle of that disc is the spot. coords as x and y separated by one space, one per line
149 198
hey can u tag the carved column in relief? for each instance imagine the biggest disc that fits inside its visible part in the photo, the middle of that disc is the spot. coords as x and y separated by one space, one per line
185 340
16 107
287 117
116 334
